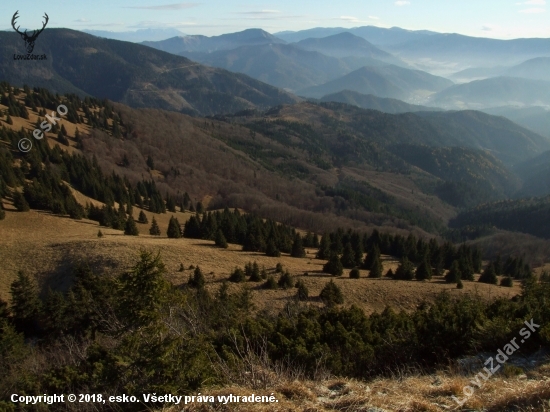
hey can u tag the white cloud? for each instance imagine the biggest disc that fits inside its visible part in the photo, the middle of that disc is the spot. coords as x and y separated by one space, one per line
533 10
402 3
82 21
374 18
536 2
176 6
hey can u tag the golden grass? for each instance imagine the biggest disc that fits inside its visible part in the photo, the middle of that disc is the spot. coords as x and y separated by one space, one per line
46 246
401 394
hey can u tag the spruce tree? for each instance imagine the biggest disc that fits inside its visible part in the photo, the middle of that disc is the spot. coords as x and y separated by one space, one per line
390 274
220 240
25 304
174 229
298 250
270 283
255 275
372 255
348 258
200 208
334 266
489 275
507 282
355 273
154 230
331 294
9 120
454 275
150 162
197 281
237 276
424 270
324 247
285 281
271 249
20 203
142 218
302 293
405 270
99 234
130 228
376 268
466 269
2 212
459 284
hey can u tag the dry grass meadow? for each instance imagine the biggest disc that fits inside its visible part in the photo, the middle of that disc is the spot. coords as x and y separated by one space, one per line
413 393
48 246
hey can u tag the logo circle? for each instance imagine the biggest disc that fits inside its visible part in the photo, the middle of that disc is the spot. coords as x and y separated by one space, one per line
24 145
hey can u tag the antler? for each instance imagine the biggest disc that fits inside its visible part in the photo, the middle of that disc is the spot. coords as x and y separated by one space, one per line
37 32
13 19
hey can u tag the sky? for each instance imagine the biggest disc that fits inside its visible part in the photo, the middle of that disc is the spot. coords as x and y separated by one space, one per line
502 19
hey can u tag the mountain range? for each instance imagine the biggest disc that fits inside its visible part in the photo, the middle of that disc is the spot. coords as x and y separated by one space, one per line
369 101
134 74
383 81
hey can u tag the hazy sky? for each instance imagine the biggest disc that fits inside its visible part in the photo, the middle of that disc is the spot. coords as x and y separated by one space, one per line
483 18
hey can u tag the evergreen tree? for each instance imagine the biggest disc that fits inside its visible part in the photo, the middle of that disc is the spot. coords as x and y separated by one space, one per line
331 294
302 293
271 249
466 269
286 281
355 273
489 275
376 268
298 250
174 229
200 208
99 234
348 258
255 275
197 281
143 218
324 247
405 270
334 266
25 305
220 240
459 284
2 212
476 260
237 276
279 268
154 230
20 203
507 282
131 229
270 283
142 291
454 275
424 270
390 274
372 255
9 120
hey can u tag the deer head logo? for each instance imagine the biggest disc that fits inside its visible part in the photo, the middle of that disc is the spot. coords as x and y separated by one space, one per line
29 40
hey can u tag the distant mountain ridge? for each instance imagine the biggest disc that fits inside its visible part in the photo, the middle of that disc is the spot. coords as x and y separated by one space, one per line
204 44
387 81
344 45
134 74
138 35
369 101
492 92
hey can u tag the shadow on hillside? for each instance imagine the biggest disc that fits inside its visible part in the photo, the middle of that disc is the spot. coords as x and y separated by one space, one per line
62 277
